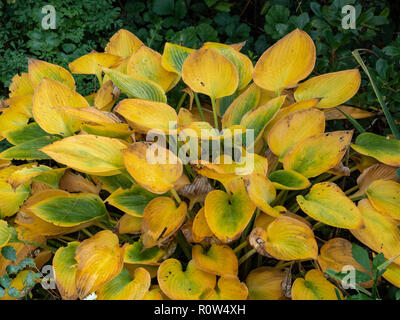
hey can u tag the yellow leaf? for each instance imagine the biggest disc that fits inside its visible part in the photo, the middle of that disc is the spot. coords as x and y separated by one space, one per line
392 274
65 267
99 259
293 128
129 224
327 203
209 72
106 97
89 154
200 229
145 115
92 63
20 85
152 175
381 233
314 287
356 113
123 44
288 61
39 70
161 219
228 288
183 285
265 283
49 95
317 154
332 88
242 63
146 63
123 287
385 197
219 260
286 238
261 192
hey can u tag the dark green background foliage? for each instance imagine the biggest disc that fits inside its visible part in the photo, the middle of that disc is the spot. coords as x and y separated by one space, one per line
87 25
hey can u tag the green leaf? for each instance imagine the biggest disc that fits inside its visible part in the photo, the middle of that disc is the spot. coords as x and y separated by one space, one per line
29 280
163 7
2 292
13 269
27 262
13 293
398 173
5 281
361 256
9 253
29 150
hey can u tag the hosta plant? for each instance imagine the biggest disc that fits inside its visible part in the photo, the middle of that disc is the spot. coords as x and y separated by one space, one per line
237 192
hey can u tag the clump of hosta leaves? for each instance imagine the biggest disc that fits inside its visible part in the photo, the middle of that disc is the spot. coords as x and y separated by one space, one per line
77 181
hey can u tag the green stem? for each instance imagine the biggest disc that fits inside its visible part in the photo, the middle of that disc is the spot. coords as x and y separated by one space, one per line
197 100
181 100
395 130
246 256
240 246
176 195
214 107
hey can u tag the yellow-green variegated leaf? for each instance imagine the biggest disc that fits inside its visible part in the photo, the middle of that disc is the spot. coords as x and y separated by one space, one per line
392 274
332 88
287 62
110 130
241 105
317 154
39 70
288 180
258 118
5 233
381 148
49 95
89 154
24 133
146 63
327 203
314 287
155 168
69 209
41 173
123 44
136 253
124 287
265 283
356 113
242 63
145 115
100 259
137 87
384 195
174 56
161 219
228 216
29 150
380 232
219 260
132 201
184 285
207 71
293 128
65 267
